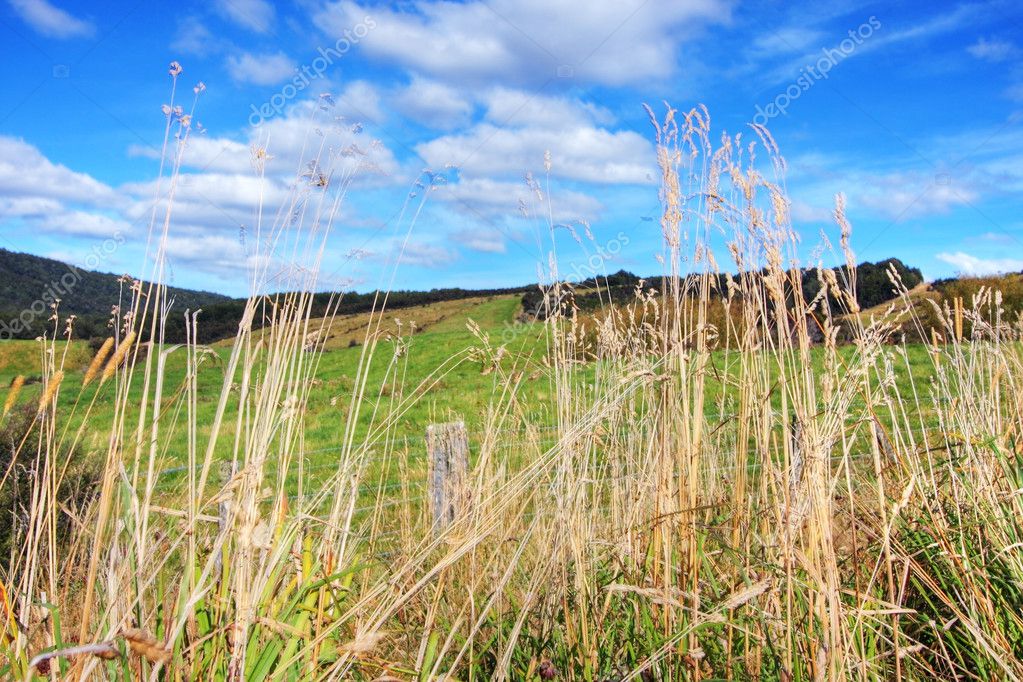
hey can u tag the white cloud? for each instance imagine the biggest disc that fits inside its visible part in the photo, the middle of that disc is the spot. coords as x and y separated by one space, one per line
804 212
423 255
873 33
217 193
293 135
493 199
260 69
207 249
993 50
433 104
40 195
580 152
25 172
193 38
525 41
913 194
83 224
967 264
788 39
221 202
52 21
360 102
255 15
207 153
28 207
507 107
484 239
893 194
945 22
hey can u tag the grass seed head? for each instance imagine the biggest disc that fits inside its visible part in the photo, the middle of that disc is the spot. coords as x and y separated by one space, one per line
118 357
51 390
98 360
12 393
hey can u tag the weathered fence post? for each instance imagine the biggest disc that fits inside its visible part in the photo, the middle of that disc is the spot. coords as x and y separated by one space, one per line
447 448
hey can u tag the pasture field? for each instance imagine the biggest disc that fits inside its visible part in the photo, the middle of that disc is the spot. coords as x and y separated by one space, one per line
436 377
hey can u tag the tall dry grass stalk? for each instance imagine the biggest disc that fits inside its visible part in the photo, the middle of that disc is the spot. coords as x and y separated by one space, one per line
767 508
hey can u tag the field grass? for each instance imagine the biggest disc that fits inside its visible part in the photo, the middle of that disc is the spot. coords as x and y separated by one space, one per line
640 504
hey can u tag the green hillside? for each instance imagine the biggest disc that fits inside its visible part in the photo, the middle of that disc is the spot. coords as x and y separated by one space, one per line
30 284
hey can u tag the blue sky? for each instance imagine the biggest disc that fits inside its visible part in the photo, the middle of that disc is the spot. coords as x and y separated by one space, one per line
913 111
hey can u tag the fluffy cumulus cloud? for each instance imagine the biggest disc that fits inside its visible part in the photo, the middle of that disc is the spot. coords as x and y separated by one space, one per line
26 173
434 104
968 264
518 128
583 153
49 197
359 102
80 223
51 21
519 108
295 135
260 69
524 41
219 192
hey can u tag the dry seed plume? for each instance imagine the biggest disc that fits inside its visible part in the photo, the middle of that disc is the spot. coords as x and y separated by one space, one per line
98 360
363 644
12 393
118 357
51 389
145 645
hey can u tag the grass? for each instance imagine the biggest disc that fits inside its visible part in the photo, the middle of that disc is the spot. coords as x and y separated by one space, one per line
641 503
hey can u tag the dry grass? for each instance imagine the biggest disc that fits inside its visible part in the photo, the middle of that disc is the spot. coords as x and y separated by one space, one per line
343 331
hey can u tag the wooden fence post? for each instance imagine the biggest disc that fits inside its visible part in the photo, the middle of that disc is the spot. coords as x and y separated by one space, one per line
447 448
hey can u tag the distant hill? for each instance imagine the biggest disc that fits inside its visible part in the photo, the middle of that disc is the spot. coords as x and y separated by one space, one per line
872 286
29 284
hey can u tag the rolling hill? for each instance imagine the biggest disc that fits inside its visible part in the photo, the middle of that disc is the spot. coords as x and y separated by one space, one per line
30 284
